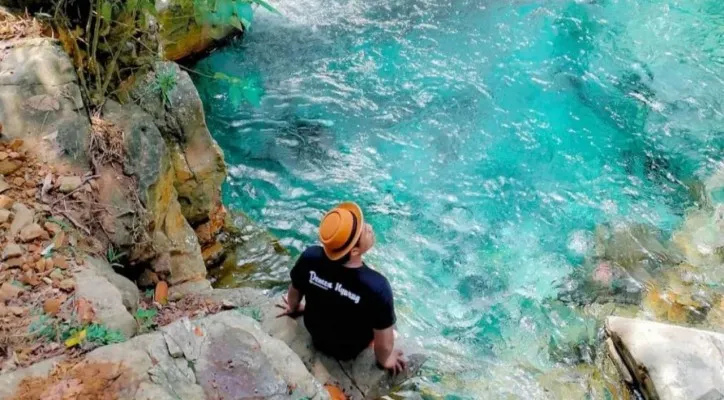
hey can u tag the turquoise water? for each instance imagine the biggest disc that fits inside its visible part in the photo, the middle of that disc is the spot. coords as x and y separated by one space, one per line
485 140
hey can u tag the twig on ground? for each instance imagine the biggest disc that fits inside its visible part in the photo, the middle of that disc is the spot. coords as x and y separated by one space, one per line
75 222
85 180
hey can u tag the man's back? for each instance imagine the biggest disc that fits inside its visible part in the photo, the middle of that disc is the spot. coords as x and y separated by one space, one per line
343 305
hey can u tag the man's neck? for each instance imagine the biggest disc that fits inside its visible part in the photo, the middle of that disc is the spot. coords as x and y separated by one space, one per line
354 262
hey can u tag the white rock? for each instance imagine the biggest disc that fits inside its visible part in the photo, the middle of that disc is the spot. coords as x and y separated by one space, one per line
67 184
11 250
3 185
672 362
23 217
4 216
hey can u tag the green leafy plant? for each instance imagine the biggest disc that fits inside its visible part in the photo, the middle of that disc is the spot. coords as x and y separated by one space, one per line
44 326
108 42
113 257
72 333
253 312
145 319
102 335
165 82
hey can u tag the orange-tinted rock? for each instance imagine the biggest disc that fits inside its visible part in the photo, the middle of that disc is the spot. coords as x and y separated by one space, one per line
51 306
161 294
6 202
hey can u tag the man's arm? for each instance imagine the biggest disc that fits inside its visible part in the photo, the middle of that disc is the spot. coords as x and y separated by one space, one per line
384 331
294 298
292 305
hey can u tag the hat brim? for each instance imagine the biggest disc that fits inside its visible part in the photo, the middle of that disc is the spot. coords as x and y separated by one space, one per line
357 212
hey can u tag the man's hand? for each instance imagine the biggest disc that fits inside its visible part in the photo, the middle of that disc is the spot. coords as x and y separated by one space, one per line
288 311
395 362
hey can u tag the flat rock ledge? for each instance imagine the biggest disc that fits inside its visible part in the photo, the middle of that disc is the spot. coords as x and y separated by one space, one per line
224 356
668 362
359 379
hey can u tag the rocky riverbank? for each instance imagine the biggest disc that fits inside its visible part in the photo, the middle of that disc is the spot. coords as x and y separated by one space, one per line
108 222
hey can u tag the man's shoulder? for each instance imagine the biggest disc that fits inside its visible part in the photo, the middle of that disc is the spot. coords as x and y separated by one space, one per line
376 281
314 253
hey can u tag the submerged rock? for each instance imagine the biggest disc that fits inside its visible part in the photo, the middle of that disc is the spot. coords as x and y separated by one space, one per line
253 257
669 362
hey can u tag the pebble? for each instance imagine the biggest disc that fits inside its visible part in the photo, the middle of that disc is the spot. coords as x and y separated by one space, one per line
3 155
14 155
18 311
32 232
40 266
56 275
3 185
7 167
16 144
15 262
6 202
47 280
52 227
11 250
67 284
9 291
23 218
60 262
51 306
4 216
18 181
67 184
31 192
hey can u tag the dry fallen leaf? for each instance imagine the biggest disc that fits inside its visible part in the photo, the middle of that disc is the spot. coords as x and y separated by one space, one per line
84 311
198 331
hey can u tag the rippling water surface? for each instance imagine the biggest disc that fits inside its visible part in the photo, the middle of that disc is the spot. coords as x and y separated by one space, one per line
485 140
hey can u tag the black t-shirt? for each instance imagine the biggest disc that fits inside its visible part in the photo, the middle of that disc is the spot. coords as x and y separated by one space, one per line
344 305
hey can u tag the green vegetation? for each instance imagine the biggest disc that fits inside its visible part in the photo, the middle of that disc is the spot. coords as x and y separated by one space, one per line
113 257
145 319
253 312
110 41
73 334
165 82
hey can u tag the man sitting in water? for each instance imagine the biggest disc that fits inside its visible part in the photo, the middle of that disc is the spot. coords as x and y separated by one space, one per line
349 306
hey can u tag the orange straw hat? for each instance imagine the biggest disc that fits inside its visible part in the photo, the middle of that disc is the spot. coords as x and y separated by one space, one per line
340 230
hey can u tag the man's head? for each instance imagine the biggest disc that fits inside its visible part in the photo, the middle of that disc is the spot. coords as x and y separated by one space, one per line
344 234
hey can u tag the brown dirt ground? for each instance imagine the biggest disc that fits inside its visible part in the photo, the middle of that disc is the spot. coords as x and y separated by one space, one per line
72 380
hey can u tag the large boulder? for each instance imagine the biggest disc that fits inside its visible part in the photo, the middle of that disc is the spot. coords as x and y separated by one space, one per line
41 101
182 34
129 292
169 95
222 356
148 160
701 237
669 362
106 299
359 378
